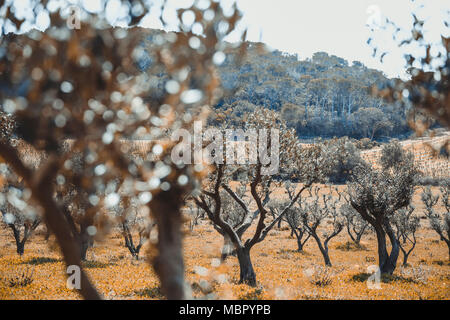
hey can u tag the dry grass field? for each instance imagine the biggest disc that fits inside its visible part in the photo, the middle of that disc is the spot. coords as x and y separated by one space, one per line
282 273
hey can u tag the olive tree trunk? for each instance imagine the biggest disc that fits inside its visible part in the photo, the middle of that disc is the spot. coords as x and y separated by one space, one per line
169 263
387 261
247 274
323 250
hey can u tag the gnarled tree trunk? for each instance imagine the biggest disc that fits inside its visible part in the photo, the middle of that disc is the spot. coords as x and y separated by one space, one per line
28 230
247 274
299 245
299 235
169 264
20 245
323 250
20 248
387 261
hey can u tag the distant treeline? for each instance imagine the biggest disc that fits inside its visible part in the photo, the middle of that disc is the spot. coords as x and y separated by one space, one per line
324 96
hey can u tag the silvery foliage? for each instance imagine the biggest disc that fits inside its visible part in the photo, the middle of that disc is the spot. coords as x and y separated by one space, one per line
14 201
405 223
355 224
384 191
342 156
439 221
318 209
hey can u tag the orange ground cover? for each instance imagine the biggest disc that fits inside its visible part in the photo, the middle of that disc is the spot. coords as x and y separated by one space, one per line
282 273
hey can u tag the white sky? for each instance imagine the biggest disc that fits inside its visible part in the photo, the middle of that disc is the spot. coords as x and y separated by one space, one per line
339 27
307 26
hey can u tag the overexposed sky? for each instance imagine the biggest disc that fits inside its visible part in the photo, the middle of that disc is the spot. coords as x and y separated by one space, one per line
337 27
340 27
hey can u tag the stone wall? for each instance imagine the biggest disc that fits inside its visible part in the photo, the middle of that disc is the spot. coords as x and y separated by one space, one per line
428 161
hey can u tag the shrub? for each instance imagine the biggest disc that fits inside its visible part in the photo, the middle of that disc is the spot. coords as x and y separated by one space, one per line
21 279
350 246
366 143
321 276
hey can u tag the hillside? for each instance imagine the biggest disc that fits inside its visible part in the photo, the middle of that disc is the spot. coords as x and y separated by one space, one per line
324 96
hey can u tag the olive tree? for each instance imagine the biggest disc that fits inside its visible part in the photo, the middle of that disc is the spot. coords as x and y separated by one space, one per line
371 121
131 217
78 217
196 214
439 222
17 215
343 156
233 213
293 218
406 225
314 213
377 194
355 225
294 161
